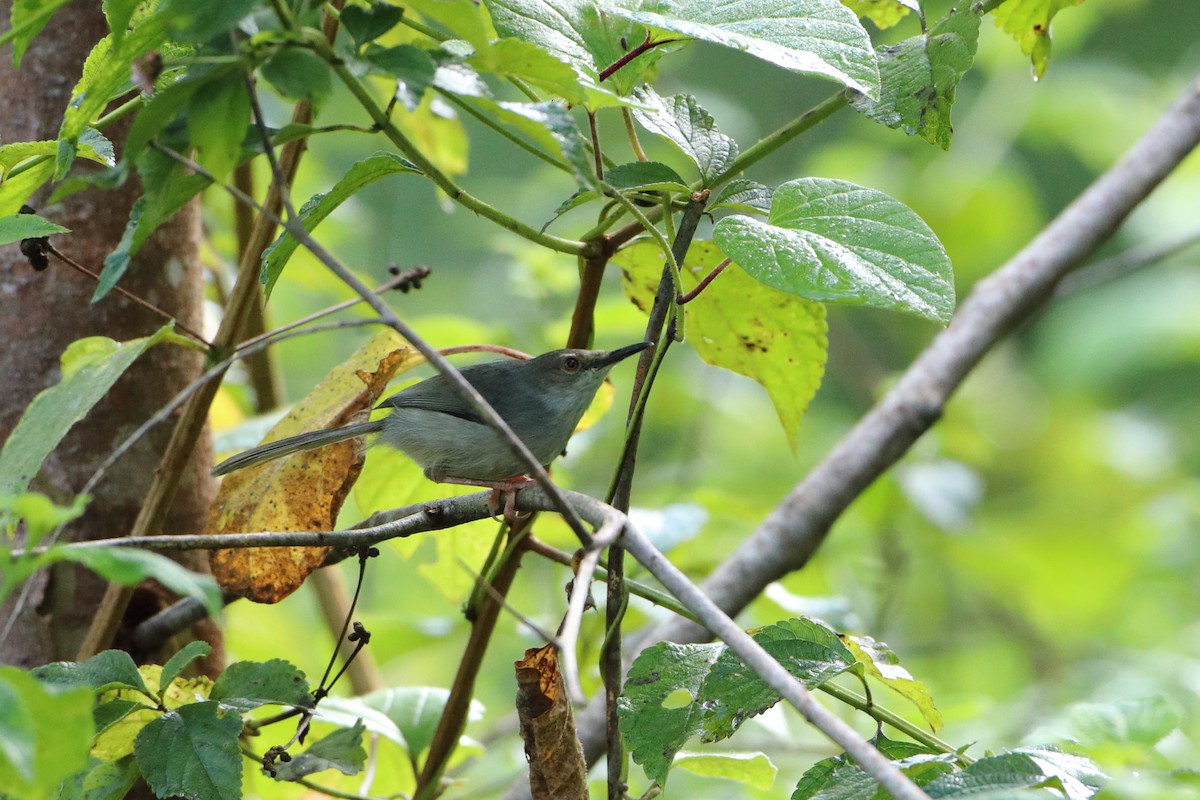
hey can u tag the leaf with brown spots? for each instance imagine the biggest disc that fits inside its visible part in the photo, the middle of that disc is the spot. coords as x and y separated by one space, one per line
737 323
304 491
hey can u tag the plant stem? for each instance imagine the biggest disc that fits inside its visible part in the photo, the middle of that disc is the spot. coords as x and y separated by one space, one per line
506 133
914 732
431 171
778 138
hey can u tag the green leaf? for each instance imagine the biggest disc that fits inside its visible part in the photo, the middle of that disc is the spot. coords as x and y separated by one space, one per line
192 752
645 176
92 146
653 728
320 206
919 77
742 194
836 779
95 146
673 692
990 774
16 190
105 72
412 67
26 21
739 324
416 711
194 23
884 13
838 242
368 24
55 409
575 32
168 187
103 780
27 226
106 670
40 514
550 125
883 664
1081 777
1142 722
681 121
218 115
163 107
107 714
119 13
341 750
815 37
299 75
839 778
753 769
178 662
117 262
45 733
513 58
1028 21
732 692
250 684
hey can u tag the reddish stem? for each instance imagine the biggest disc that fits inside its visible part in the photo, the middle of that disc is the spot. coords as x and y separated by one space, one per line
683 299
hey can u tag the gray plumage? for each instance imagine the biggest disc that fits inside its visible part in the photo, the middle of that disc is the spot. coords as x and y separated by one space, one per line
541 399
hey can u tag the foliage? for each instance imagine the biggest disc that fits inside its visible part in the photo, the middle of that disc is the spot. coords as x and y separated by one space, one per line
754 274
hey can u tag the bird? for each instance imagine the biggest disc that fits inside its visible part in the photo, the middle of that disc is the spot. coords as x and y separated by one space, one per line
541 399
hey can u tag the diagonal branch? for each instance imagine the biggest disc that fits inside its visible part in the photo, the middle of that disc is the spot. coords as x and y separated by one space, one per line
786 539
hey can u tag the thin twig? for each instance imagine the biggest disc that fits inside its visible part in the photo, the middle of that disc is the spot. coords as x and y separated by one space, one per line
684 299
128 295
581 592
644 47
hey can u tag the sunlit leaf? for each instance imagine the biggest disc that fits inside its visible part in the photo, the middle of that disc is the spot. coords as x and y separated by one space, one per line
740 324
1028 21
883 664
753 769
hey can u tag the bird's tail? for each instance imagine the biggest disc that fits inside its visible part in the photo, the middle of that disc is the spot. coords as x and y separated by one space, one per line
295 444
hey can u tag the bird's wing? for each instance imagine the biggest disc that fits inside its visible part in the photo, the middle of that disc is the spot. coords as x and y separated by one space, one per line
433 394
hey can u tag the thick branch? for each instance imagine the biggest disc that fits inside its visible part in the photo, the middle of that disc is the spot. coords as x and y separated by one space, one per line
791 534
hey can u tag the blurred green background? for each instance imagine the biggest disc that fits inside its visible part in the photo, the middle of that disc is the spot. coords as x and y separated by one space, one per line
1035 560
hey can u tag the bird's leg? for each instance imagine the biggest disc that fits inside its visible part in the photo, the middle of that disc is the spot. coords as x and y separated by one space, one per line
506 488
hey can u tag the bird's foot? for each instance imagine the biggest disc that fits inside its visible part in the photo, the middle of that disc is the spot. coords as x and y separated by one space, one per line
505 490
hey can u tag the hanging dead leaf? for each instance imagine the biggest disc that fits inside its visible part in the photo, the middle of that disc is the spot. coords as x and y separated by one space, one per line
557 770
304 491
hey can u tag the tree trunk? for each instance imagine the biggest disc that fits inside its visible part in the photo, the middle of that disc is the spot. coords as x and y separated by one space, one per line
42 312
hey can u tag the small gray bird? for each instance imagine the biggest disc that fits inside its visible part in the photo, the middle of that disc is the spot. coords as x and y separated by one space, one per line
542 400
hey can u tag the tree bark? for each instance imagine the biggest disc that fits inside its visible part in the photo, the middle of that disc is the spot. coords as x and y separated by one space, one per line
42 312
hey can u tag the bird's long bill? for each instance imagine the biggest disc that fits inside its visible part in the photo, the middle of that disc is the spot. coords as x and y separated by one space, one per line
622 353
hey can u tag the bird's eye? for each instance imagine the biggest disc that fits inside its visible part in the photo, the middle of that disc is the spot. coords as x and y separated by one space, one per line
571 364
